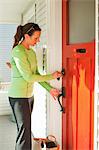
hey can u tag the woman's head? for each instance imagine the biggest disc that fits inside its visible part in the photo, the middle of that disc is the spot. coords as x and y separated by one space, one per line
29 32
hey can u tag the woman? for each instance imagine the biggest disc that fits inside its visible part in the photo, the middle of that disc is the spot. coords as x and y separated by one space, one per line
24 74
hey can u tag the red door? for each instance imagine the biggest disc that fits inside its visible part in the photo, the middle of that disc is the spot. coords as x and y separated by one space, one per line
78 62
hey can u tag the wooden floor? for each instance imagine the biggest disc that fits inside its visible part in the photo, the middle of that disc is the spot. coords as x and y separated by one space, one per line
7 133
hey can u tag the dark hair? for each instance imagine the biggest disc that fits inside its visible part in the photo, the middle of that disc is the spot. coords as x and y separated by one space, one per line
28 28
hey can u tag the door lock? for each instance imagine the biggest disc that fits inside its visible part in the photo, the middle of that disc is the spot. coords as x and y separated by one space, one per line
63 73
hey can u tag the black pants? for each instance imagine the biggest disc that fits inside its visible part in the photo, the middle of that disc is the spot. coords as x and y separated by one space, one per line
22 108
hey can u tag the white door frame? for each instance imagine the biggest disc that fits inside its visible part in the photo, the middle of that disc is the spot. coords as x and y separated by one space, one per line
54 61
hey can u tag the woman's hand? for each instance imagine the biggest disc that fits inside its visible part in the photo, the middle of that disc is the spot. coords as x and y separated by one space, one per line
54 92
57 74
8 64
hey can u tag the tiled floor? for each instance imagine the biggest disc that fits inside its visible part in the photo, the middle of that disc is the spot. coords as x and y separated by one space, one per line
7 133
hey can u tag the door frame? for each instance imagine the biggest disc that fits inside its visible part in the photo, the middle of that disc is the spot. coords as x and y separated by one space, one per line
54 47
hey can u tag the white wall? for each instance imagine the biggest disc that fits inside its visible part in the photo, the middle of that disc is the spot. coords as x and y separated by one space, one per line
29 13
11 10
37 13
10 18
54 119
54 62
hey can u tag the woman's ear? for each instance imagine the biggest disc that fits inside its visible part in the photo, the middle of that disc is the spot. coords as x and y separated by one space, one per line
26 36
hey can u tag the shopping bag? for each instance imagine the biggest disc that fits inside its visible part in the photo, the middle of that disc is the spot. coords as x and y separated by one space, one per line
50 143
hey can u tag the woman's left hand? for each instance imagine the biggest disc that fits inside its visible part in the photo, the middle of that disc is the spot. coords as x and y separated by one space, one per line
8 64
54 92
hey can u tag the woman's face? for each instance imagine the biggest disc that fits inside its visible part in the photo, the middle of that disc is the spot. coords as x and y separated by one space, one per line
34 39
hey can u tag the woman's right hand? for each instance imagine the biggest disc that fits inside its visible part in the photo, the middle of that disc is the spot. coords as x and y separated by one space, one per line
57 74
54 92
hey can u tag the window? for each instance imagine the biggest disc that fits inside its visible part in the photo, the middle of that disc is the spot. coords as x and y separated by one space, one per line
7 32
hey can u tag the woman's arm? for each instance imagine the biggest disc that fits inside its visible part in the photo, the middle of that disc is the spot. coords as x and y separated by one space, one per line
44 84
23 67
53 91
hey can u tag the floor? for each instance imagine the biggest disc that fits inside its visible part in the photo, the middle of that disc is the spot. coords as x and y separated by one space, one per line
7 133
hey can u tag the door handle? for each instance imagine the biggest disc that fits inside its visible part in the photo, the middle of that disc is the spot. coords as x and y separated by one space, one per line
63 73
63 93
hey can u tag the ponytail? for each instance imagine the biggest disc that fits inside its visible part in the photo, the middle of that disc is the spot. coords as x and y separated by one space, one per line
18 35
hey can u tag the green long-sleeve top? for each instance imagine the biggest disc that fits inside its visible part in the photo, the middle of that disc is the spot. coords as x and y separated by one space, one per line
24 73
